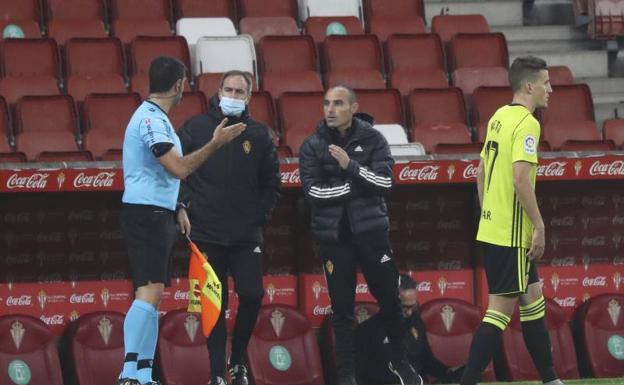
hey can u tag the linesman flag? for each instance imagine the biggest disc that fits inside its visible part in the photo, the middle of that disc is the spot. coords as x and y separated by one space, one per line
205 289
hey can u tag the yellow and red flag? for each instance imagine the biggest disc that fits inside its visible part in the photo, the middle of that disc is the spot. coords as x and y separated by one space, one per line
205 290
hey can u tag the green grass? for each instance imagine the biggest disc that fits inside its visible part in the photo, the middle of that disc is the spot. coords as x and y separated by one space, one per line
586 381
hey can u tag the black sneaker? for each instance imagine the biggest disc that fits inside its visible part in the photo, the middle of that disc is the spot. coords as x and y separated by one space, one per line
405 373
346 380
238 374
128 381
217 380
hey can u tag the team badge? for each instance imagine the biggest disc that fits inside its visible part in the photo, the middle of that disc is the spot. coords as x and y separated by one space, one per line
414 333
247 146
530 145
329 266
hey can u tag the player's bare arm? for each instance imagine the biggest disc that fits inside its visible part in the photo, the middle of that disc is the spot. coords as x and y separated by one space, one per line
526 196
480 181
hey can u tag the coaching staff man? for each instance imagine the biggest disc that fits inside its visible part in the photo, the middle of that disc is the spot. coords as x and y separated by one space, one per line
153 165
511 228
231 197
346 170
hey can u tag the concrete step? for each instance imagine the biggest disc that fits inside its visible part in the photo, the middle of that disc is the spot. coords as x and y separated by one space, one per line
497 12
539 32
604 111
583 64
553 45
604 86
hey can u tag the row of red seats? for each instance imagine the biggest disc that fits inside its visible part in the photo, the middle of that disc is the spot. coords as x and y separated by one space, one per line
95 344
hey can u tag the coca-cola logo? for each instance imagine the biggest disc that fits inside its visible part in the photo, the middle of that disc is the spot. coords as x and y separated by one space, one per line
50 278
112 275
449 265
15 218
424 286
552 169
566 302
361 288
53 237
470 172
600 280
23 259
283 230
81 216
567 221
419 247
418 205
82 298
618 260
617 220
322 310
22 300
84 257
181 295
36 181
596 201
424 173
599 240
564 261
613 168
99 180
291 177
454 224
56 319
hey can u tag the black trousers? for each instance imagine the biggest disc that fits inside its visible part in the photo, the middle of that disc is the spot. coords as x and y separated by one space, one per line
372 252
244 263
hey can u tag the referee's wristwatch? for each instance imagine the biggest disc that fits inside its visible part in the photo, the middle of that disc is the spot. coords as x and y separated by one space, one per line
181 205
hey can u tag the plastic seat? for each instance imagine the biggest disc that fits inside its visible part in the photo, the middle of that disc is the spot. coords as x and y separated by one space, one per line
458 148
394 133
74 18
284 336
478 50
385 105
193 103
469 78
310 8
195 27
437 116
259 27
299 114
560 75
317 26
104 131
284 152
383 27
64 156
21 13
131 18
96 347
408 71
569 116
485 102
94 66
599 325
452 322
393 8
46 123
261 108
354 61
267 8
587 145
30 67
27 339
447 26
7 137
613 129
288 64
209 54
203 8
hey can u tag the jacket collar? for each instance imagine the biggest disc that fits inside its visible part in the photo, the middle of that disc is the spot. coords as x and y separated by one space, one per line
215 111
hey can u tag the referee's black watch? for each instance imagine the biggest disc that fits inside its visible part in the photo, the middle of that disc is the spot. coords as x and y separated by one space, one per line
181 205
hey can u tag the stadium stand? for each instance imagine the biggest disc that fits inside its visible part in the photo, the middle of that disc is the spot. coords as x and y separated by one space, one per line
299 114
209 54
259 27
560 75
447 26
478 50
309 8
383 27
261 108
202 8
132 18
485 102
385 105
613 129
353 60
24 14
74 18
401 12
193 103
317 27
267 8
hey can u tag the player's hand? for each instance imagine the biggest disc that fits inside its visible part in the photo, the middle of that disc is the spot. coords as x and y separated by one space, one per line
537 245
340 155
183 222
224 134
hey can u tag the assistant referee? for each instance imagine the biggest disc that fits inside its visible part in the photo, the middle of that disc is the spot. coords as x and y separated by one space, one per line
153 166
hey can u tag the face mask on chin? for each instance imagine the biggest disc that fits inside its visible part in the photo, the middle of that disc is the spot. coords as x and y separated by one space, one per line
231 107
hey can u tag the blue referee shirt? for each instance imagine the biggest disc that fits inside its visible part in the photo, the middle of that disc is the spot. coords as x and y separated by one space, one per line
146 181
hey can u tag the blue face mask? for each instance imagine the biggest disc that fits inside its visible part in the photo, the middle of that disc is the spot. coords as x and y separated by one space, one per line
231 107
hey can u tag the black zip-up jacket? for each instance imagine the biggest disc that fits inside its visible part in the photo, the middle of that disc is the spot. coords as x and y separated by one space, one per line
357 192
231 195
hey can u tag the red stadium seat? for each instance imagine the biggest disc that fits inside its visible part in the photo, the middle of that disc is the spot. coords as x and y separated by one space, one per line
299 114
46 123
105 131
438 116
96 347
27 339
267 8
409 71
259 27
193 103
203 8
182 354
284 152
261 108
560 75
600 328
30 67
485 102
19 10
131 18
354 61
12 157
447 26
587 145
469 78
94 66
288 63
75 18
64 156
569 116
284 336
516 360
613 129
458 148
7 137
383 27
452 322
317 26
374 8
478 50
385 105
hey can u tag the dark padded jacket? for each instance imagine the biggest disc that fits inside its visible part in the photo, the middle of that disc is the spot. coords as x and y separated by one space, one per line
233 193
357 192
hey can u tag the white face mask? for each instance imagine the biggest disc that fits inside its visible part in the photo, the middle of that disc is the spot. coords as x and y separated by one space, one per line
231 107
